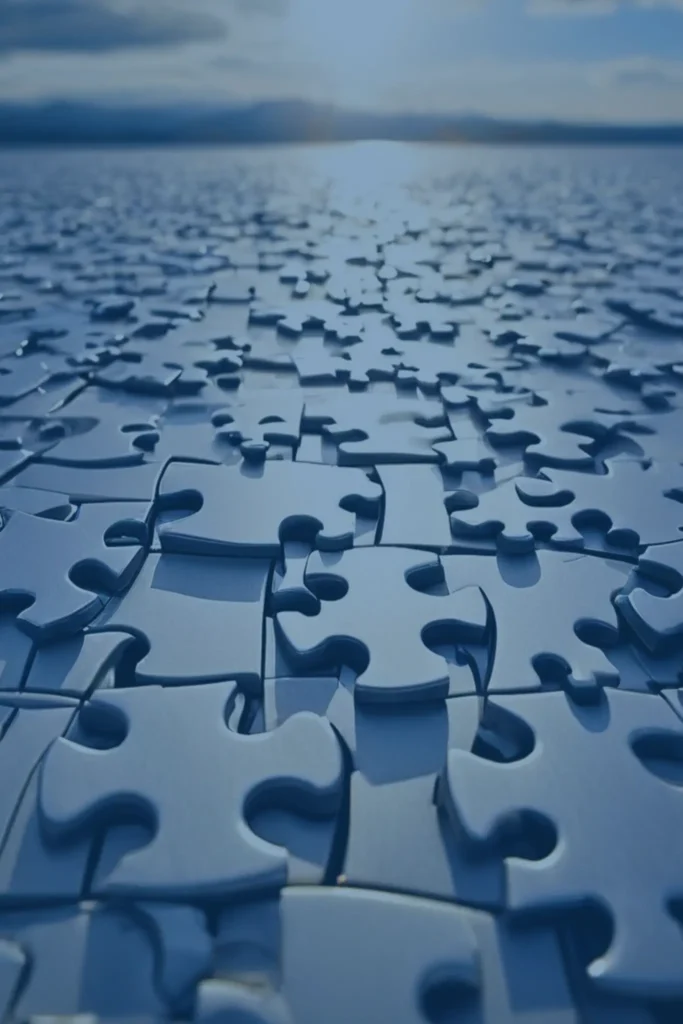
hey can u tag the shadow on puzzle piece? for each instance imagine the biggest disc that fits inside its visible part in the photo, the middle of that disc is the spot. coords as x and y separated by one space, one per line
170 745
609 852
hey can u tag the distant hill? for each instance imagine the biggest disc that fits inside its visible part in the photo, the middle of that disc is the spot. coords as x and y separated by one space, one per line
290 121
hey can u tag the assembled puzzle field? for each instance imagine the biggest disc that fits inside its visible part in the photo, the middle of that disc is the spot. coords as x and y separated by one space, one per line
341 579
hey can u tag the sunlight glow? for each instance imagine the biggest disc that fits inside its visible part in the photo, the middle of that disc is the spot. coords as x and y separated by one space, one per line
357 44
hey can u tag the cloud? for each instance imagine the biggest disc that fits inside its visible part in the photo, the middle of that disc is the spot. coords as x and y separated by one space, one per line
643 71
584 8
100 26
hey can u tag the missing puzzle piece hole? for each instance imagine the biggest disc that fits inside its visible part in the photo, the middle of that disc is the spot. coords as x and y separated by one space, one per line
444 1000
662 755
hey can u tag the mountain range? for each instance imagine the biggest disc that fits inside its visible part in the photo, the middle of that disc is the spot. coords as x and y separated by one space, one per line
287 121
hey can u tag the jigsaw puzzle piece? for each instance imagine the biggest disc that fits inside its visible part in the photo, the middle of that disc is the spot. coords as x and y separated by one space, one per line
13 966
289 592
531 632
300 764
140 375
75 667
414 507
370 429
175 599
506 521
125 483
604 853
30 867
636 505
415 934
20 376
268 416
557 428
247 510
101 443
657 621
519 976
39 559
35 503
16 652
397 840
75 957
467 453
351 629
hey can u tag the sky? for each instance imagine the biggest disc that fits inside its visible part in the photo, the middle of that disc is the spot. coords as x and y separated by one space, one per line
587 60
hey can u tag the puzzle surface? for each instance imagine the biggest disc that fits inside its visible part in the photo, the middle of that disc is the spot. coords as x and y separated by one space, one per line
341 592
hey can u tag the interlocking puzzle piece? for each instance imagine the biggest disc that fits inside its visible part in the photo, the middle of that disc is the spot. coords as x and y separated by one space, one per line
606 850
75 956
636 505
26 735
268 416
288 589
36 503
247 510
519 976
657 620
17 651
97 428
21 376
39 559
502 518
125 483
380 624
415 934
174 741
414 507
78 665
13 964
559 432
175 599
371 429
396 838
30 867
531 630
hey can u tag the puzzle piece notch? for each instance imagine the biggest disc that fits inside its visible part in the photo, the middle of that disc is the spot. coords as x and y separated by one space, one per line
300 763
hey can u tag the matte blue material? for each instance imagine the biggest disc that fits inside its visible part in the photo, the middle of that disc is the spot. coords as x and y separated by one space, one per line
341 581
